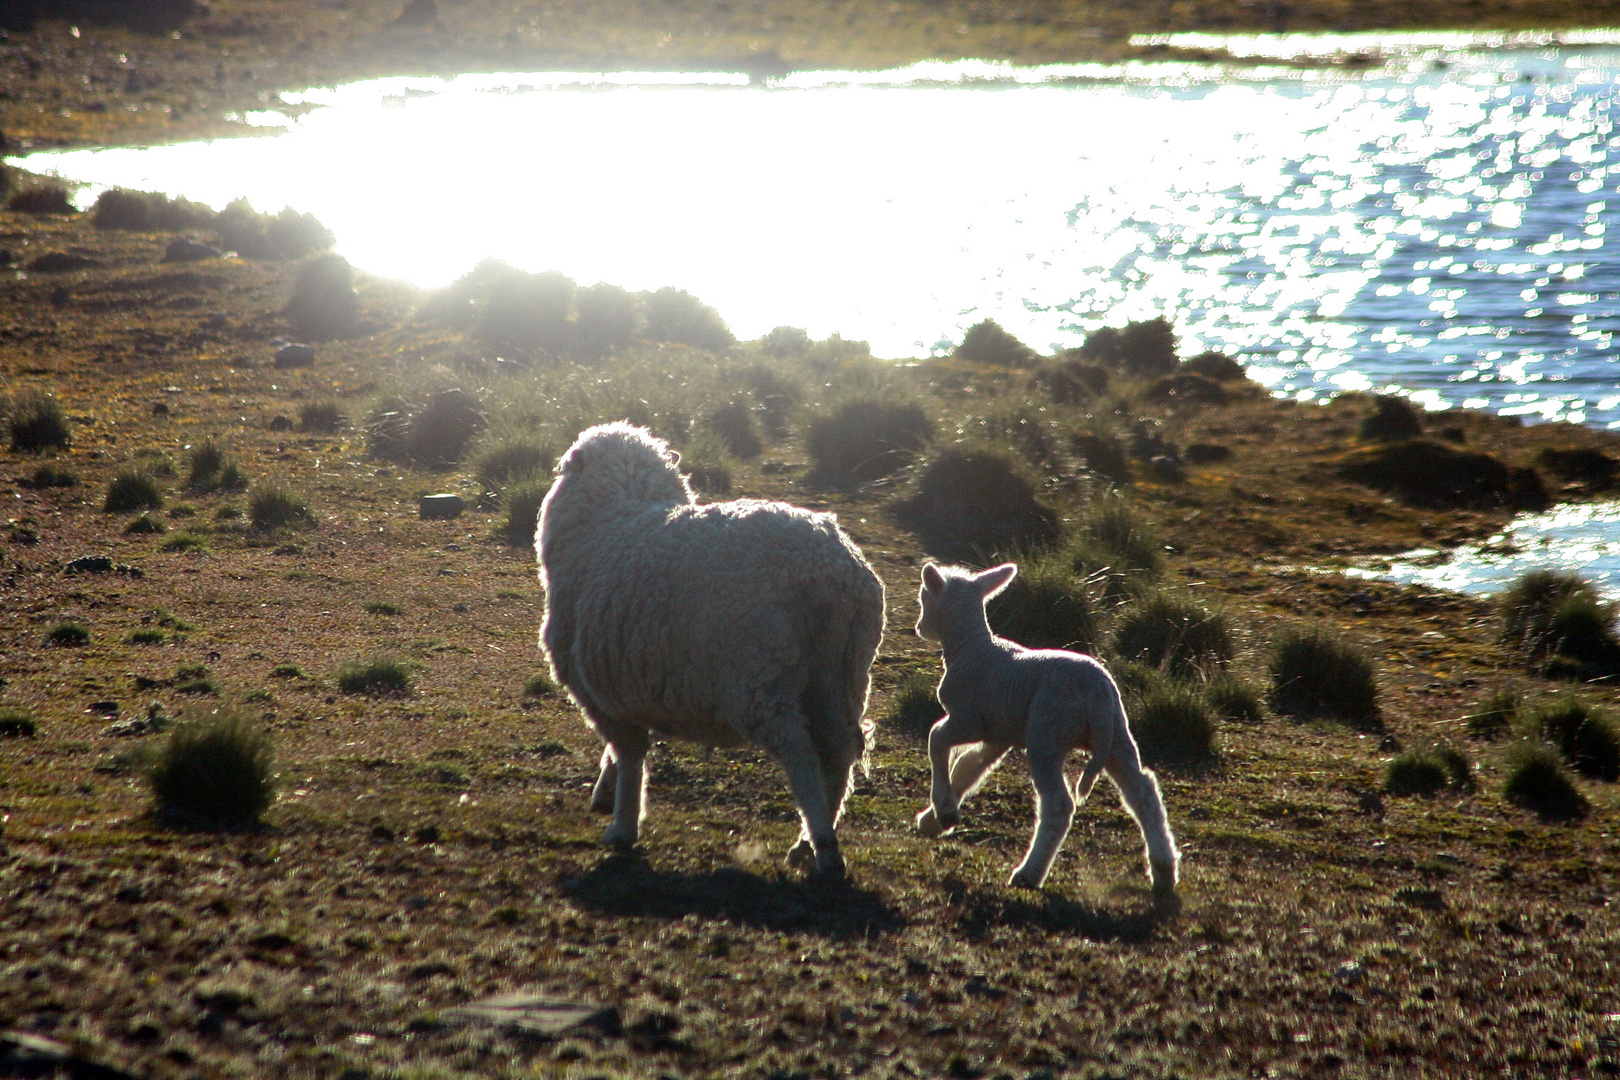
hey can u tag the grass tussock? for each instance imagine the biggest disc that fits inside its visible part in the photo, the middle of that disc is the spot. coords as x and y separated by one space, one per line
1393 419
678 317
1235 698
1216 365
148 211
522 504
866 439
36 422
1426 472
915 707
376 676
1174 725
17 723
68 633
209 467
1142 350
977 505
500 463
132 489
272 507
1046 607
41 199
1584 736
1536 780
1117 547
1317 672
1162 629
1429 771
213 772
324 303
1493 717
1559 621
324 416
47 476
987 343
539 685
733 424
287 235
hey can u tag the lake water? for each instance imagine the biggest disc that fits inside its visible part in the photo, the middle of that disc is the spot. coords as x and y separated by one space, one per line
1434 222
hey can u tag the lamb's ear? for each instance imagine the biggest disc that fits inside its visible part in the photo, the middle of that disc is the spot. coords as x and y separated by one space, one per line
995 579
933 580
675 457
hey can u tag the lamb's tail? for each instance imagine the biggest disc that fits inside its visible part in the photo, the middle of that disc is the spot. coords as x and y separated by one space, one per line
1102 741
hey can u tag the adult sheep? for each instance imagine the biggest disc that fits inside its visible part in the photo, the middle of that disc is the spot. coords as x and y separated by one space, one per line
722 624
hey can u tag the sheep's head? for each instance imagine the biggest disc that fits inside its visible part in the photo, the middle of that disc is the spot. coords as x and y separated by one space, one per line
622 462
951 596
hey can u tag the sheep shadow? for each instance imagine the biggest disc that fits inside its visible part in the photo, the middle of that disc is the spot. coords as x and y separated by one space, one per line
978 912
625 885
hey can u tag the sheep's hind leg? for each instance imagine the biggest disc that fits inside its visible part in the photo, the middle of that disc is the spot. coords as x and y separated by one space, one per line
791 745
1056 814
629 758
607 782
837 774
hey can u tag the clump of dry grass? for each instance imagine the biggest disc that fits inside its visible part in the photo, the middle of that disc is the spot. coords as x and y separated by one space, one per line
273 506
36 422
215 771
1316 671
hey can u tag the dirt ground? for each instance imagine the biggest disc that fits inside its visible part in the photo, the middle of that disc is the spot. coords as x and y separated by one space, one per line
430 850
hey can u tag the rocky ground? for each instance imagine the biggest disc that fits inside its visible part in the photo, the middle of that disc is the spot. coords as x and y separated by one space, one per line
430 850
78 81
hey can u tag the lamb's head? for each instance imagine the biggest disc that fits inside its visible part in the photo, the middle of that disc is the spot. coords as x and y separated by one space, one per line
621 462
952 597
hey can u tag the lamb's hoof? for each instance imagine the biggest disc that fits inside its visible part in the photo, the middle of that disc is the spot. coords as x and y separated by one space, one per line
1025 879
802 856
933 825
618 839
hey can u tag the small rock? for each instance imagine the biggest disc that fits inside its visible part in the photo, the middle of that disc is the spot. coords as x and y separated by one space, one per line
531 1014
1389 744
295 354
89 564
1350 972
104 708
60 262
184 250
1168 468
418 13
441 507
160 409
1370 803
280 423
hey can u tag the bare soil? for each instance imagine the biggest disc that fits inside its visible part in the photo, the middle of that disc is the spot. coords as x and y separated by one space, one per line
427 851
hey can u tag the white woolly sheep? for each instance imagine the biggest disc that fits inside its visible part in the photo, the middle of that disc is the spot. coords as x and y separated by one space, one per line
720 624
997 695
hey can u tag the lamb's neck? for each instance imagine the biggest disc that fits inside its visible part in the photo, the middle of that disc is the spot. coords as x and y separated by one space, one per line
965 636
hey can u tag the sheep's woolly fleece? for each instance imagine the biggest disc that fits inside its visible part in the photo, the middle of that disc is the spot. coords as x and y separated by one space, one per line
699 622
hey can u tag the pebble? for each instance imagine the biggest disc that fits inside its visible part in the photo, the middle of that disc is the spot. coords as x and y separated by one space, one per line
60 262
295 354
184 250
442 507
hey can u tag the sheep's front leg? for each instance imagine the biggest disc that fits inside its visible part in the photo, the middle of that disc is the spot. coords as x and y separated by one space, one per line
944 807
607 781
629 758
1055 814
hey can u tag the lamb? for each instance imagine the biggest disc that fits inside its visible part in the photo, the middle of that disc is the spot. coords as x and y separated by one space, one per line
997 695
722 624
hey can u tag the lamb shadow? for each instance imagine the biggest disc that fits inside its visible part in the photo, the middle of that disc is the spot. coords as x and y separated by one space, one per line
625 885
981 911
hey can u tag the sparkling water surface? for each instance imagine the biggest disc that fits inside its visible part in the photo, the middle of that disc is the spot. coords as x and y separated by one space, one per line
1432 219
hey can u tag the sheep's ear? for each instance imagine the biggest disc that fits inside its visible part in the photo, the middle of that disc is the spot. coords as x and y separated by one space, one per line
674 457
995 579
933 580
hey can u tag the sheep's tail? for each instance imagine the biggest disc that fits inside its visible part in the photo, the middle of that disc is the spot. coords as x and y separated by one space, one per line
1102 741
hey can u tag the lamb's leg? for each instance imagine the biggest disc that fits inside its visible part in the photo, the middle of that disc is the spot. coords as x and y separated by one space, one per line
607 782
1139 791
944 808
969 766
790 743
629 754
1055 813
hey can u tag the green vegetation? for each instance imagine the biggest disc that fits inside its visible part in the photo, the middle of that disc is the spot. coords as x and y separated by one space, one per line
184 542
377 675
211 468
866 439
381 607
1493 717
144 211
1560 622
146 637
1537 781
539 685
145 525
977 505
51 476
47 197
1234 698
36 423
522 501
68 633
273 506
130 489
1584 737
17 723
915 707
1316 671
286 671
195 679
1163 629
987 343
1173 725
1428 772
214 772
321 416
1116 547
1046 607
